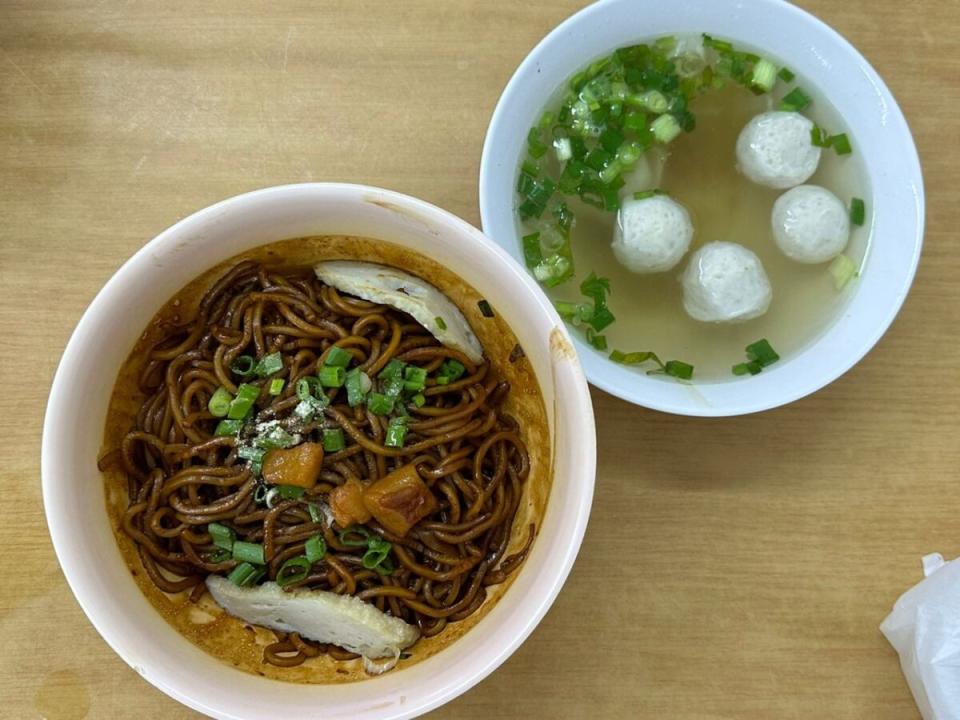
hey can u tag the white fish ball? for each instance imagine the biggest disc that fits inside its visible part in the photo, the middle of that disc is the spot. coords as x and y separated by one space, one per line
725 283
810 224
652 235
775 149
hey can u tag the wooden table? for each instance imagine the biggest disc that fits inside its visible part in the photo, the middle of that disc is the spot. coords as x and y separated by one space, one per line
732 569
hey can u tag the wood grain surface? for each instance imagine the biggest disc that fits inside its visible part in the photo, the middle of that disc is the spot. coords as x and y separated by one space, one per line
732 569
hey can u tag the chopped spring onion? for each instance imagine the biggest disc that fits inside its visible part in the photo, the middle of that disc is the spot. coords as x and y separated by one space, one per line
293 570
245 574
241 405
795 100
308 408
485 309
441 323
276 437
276 386
228 427
677 369
396 433
338 357
634 358
764 75
219 556
646 194
332 376
819 137
532 254
290 492
260 494
843 270
452 369
392 387
315 548
748 368
221 535
380 404
553 270
666 129
419 400
315 514
219 404
248 552
269 364
563 149
393 369
762 352
786 74
377 551
858 211
358 384
414 378
333 440
354 536
841 144
597 341
251 454
243 365
308 387
654 101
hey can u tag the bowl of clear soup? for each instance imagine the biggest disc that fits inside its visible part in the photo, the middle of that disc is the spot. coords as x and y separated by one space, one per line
727 214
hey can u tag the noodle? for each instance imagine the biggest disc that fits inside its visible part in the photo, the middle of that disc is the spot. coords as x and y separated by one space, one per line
181 476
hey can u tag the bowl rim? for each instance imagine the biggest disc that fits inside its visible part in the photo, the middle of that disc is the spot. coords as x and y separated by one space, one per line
576 498
777 388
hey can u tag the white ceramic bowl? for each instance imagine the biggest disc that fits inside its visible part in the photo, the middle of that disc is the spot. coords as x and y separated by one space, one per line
73 430
813 50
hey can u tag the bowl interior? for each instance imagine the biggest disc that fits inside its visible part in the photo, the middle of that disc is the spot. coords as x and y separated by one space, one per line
814 51
73 429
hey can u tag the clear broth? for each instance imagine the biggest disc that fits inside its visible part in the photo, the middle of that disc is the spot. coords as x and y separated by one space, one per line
699 170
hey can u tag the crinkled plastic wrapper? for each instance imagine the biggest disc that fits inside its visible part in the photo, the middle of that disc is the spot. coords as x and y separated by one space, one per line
924 627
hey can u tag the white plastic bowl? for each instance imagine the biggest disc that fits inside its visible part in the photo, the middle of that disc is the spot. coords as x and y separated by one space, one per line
73 493
812 50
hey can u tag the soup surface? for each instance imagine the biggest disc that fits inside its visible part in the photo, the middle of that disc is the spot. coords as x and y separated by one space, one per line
232 640
699 170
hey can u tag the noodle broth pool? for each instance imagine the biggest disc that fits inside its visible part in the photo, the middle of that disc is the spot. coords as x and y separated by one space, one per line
699 170
133 406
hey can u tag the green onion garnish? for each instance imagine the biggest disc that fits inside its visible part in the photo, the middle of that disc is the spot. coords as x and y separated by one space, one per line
241 405
452 369
243 365
358 384
354 536
597 341
553 270
485 309
819 137
275 437
338 357
290 492
795 100
260 494
532 254
228 427
243 575
646 194
666 129
392 387
310 407
269 364
293 570
315 514
393 369
419 400
677 369
441 323
315 548
221 535
377 551
276 386
219 556
786 74
380 404
308 387
764 75
762 352
248 552
749 368
858 211
414 378
333 440
634 358
843 270
841 144
332 376
219 403
396 433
